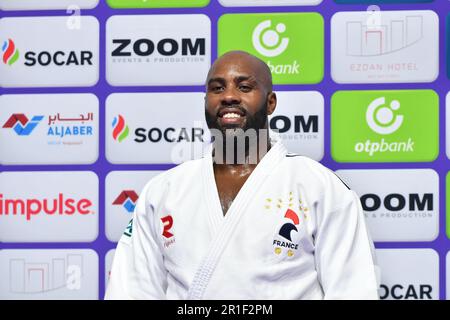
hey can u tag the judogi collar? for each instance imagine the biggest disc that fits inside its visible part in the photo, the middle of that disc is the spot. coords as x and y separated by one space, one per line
222 226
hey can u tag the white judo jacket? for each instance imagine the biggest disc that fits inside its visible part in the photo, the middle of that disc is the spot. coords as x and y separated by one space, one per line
294 231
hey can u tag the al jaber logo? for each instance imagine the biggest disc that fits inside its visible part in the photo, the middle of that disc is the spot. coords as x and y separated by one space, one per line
10 52
171 135
385 126
127 199
21 125
45 58
291 44
61 205
58 126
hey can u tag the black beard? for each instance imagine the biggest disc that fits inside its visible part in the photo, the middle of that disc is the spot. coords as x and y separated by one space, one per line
256 121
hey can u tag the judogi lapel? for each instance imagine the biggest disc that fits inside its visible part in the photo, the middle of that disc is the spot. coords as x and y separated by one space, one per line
222 227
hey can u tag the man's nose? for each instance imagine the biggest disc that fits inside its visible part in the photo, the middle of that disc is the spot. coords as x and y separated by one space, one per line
231 96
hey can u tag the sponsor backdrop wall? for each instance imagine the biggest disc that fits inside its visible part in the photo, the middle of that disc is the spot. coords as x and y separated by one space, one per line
97 97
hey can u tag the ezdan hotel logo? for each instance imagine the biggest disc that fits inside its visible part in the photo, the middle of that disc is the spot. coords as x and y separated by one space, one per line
291 44
10 52
120 128
128 199
385 126
21 124
384 46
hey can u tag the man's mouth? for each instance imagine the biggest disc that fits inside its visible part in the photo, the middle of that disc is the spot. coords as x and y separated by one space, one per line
231 115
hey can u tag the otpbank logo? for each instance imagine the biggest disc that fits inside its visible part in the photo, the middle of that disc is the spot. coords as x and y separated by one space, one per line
384 46
157 3
120 128
49 51
127 199
385 126
49 207
447 182
21 125
10 52
158 49
258 3
48 129
292 44
47 4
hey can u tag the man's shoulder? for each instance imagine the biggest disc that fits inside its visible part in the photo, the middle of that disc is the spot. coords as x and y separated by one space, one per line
181 171
314 170
301 161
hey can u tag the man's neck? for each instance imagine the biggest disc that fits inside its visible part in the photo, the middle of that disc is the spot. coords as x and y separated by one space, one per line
233 158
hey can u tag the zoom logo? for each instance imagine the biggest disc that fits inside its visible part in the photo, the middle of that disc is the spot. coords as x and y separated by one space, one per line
267 41
381 118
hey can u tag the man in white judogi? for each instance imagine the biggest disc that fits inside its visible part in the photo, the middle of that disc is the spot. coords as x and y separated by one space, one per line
251 223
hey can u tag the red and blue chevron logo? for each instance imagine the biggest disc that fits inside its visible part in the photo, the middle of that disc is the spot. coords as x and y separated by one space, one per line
128 199
286 229
21 124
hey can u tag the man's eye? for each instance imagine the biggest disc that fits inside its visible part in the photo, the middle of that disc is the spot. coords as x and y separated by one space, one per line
217 89
245 88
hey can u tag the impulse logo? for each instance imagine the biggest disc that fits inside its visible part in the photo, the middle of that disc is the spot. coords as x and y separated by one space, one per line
128 199
32 207
120 128
10 52
21 125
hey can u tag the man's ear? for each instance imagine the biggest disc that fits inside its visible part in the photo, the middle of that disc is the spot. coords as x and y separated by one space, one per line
271 102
